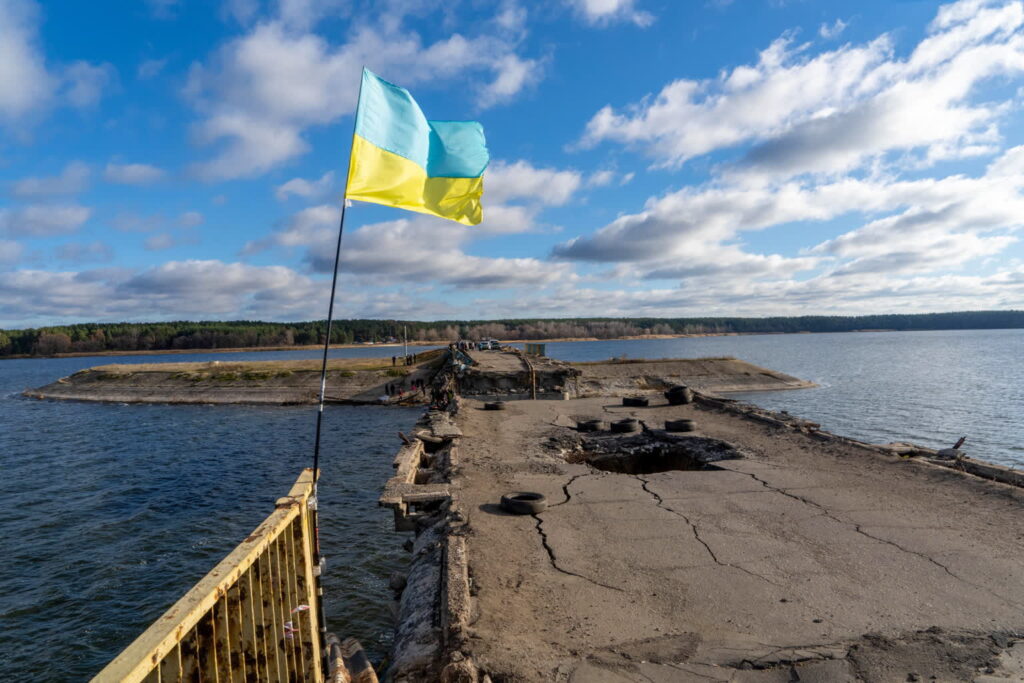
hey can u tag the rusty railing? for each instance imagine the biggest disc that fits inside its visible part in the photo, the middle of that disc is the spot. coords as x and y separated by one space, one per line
253 618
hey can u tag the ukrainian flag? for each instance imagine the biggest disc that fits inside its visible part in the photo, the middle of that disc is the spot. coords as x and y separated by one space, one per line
401 159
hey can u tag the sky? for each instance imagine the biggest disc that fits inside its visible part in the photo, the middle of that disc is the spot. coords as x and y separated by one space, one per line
186 159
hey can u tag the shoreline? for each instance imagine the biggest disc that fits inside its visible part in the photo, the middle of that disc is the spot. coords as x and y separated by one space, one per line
443 343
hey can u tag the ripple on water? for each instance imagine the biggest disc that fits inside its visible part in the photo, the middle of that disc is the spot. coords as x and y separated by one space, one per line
112 512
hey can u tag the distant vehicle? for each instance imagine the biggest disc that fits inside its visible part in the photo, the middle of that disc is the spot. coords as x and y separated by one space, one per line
494 344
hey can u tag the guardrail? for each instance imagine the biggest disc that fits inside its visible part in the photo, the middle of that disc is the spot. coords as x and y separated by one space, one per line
253 617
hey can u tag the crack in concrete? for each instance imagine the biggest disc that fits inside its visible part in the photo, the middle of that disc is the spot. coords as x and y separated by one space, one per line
858 529
566 485
554 560
696 534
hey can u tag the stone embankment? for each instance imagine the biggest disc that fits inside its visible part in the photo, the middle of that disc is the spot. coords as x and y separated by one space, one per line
753 547
352 381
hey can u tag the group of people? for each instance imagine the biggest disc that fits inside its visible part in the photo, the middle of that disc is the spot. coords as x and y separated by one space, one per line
406 360
395 389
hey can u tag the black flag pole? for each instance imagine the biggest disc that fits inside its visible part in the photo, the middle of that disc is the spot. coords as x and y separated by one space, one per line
318 559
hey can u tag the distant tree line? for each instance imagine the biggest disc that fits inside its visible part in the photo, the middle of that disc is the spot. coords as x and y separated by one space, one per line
87 337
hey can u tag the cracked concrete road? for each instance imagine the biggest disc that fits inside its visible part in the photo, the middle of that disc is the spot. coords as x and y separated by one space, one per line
807 559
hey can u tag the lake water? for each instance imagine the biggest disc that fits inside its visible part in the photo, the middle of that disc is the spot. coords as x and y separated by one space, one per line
929 388
110 513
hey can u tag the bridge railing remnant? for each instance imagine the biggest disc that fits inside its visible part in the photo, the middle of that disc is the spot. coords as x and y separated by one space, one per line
253 617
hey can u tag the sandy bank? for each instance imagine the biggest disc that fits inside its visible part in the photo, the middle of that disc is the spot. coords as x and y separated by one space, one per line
511 373
261 382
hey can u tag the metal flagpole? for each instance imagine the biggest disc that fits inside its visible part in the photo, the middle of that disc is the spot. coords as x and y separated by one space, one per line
318 559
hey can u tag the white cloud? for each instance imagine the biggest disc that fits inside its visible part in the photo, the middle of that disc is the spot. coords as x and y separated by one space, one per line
260 92
42 220
834 111
91 252
832 30
422 249
162 9
425 249
10 252
604 12
312 225
309 189
190 219
825 295
150 68
928 225
25 83
303 15
129 221
132 174
521 180
72 179
86 83
198 290
159 242
242 11
512 75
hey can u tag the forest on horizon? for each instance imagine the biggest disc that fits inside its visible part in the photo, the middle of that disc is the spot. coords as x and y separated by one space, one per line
179 335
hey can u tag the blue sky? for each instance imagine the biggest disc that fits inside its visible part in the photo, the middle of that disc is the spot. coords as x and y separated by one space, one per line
170 159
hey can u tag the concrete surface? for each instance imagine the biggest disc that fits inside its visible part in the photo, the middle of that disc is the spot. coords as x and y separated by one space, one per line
801 561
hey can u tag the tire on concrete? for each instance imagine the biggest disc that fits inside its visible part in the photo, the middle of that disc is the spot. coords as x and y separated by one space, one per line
590 425
625 426
524 503
494 405
679 395
681 425
635 401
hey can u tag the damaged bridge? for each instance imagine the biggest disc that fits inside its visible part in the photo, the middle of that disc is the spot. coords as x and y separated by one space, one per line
696 542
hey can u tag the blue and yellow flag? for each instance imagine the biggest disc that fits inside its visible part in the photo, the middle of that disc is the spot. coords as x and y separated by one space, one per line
401 159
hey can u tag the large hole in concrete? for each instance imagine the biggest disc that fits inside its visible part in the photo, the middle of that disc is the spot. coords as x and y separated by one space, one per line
659 460
646 454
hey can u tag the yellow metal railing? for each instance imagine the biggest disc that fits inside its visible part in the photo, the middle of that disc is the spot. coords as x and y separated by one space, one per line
253 618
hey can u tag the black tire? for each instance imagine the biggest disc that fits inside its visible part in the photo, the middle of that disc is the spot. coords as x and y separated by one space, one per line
625 426
683 425
523 503
679 395
635 401
495 405
590 425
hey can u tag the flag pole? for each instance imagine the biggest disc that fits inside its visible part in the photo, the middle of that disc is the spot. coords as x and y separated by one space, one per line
318 559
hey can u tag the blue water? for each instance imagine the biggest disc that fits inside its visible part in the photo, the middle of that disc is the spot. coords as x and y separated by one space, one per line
930 388
109 513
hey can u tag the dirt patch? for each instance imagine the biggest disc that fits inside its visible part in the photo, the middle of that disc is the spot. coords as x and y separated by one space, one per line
718 375
273 382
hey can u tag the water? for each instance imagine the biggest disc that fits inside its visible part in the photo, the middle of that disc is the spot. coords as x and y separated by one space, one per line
111 512
929 388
